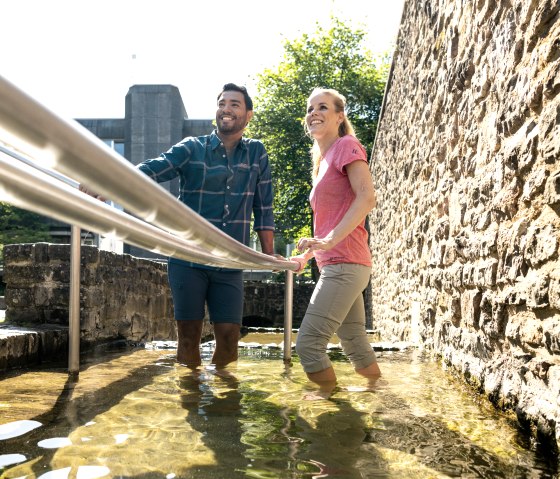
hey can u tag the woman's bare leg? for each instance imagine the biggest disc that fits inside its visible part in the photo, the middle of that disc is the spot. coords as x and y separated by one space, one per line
326 380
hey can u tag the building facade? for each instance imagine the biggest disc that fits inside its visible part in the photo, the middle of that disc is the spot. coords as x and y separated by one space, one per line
155 119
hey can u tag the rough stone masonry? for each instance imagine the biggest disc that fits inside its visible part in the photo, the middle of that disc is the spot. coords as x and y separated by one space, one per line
467 168
121 297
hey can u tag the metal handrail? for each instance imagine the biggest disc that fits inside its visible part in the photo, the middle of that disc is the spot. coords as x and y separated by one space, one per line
23 186
27 161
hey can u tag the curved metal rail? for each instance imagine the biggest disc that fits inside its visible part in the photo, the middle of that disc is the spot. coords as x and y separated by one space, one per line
27 188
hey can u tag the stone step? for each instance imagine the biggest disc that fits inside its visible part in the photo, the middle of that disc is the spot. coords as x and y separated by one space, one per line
23 346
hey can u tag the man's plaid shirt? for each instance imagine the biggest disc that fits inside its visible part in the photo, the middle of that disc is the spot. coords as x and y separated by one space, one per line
225 191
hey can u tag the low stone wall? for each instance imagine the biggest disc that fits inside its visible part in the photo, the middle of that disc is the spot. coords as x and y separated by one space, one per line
22 346
264 303
120 296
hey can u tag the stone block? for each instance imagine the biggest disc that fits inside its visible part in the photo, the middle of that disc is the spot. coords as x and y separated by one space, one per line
541 244
22 274
537 291
19 298
18 253
470 308
60 296
89 255
61 273
140 328
485 273
468 275
531 332
41 252
59 253
513 331
554 290
552 188
110 259
534 184
92 298
551 331
42 294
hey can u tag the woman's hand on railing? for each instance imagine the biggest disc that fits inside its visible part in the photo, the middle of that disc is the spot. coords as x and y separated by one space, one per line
301 260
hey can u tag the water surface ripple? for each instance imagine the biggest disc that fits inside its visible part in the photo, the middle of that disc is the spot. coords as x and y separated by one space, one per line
137 414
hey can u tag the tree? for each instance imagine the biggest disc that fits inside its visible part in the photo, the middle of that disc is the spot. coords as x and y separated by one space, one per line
21 226
332 58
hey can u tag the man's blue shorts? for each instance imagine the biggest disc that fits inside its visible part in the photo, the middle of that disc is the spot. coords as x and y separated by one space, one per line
221 290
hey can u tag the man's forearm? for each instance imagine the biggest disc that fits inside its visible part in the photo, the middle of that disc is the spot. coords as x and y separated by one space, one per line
266 238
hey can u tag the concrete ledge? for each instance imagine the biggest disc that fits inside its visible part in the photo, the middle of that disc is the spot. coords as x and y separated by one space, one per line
22 346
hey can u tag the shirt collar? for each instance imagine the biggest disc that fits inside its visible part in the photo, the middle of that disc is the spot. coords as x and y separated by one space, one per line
215 141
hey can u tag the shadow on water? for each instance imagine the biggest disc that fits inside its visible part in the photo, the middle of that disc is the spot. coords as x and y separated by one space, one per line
333 439
174 422
335 445
440 448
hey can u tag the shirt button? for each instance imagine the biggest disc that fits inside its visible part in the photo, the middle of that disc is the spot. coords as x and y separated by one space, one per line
223 156
228 187
223 224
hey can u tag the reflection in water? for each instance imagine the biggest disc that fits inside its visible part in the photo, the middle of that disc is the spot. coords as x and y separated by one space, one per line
140 415
213 402
17 428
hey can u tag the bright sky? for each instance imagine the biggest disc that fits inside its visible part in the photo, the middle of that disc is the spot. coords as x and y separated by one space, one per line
79 57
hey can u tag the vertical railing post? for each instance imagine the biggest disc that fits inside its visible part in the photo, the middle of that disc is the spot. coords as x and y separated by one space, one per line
74 303
288 315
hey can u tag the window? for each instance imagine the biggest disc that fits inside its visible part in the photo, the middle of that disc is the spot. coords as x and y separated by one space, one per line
116 145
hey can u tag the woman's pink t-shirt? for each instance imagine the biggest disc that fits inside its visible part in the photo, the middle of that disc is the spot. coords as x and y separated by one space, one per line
330 199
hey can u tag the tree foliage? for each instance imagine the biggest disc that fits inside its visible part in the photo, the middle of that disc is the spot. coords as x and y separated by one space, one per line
21 226
332 58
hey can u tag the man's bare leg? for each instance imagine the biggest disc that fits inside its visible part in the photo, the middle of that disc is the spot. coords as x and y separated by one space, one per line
227 341
188 343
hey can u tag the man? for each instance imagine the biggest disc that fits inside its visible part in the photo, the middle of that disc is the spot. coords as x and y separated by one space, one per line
226 179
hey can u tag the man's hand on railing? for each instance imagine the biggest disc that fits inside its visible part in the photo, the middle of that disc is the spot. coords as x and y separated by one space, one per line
85 189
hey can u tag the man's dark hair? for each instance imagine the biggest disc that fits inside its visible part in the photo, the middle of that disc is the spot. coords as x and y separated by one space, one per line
240 89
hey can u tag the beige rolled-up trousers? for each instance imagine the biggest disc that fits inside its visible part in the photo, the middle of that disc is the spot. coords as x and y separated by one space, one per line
336 306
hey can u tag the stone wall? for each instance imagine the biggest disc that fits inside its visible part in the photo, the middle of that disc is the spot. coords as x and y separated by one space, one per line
467 167
120 296
264 303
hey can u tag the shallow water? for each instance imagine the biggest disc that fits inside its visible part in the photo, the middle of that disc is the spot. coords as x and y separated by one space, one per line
137 414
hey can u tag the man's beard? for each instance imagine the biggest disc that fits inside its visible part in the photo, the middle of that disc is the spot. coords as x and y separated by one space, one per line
230 127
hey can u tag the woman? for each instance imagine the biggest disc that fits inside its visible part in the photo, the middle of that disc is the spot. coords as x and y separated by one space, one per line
341 198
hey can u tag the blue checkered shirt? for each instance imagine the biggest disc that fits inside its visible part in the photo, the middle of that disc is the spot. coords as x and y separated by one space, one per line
227 192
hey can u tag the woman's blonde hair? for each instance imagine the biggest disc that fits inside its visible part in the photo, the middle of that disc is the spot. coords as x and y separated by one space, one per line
345 128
